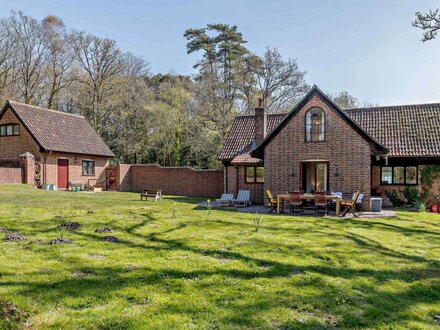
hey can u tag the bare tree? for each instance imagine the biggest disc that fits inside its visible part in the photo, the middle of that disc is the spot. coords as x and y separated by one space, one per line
7 60
280 82
59 67
30 53
101 62
345 100
429 22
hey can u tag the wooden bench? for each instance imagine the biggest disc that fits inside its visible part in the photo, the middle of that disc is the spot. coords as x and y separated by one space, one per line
153 193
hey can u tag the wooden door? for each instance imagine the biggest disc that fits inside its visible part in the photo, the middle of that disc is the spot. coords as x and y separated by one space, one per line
63 173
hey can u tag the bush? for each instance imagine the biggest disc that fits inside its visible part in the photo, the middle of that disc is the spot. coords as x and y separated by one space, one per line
421 207
411 195
394 198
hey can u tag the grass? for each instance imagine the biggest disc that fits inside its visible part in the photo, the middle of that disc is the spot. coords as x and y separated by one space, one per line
200 270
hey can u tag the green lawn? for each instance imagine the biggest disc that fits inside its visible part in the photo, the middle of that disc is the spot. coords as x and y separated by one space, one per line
200 270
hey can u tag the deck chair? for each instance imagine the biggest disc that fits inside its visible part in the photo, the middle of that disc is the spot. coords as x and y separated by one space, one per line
272 202
243 198
225 200
349 205
359 201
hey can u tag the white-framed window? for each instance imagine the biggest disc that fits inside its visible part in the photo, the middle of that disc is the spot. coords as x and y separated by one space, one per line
88 167
315 125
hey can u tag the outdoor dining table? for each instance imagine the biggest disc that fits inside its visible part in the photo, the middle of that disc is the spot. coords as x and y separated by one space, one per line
282 197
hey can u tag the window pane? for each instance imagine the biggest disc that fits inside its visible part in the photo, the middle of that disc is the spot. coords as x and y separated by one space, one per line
250 174
91 169
16 129
321 177
2 130
260 174
411 175
9 130
315 126
399 175
387 175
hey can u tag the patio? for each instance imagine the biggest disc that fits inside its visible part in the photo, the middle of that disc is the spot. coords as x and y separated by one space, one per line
261 209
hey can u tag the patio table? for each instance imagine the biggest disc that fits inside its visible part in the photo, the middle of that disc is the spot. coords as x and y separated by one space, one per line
283 197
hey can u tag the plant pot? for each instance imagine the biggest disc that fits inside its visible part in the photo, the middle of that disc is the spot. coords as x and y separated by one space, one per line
46 186
434 208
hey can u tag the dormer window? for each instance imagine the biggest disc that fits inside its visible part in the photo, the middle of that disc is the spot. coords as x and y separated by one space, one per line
315 125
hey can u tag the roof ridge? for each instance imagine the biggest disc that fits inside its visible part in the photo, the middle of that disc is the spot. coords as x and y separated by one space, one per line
395 106
269 114
45 109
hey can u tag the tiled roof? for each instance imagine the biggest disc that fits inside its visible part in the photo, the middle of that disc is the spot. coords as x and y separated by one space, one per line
406 130
241 135
59 131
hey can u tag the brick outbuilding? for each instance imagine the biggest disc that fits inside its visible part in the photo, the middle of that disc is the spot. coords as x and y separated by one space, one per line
64 146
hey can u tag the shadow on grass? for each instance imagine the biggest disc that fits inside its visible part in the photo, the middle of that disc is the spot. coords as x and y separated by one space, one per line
106 283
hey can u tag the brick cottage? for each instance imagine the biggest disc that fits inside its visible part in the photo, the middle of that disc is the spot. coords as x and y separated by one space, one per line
63 147
319 147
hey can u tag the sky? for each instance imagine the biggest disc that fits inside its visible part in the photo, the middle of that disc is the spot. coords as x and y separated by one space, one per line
368 48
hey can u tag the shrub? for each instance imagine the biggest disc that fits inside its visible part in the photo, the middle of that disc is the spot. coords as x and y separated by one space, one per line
421 207
394 197
411 195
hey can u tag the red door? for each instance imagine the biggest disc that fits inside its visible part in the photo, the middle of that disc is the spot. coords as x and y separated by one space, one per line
63 173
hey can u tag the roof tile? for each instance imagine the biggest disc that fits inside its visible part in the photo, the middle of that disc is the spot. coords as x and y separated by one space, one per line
59 131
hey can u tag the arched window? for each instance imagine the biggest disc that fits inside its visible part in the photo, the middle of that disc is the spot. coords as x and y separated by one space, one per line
315 125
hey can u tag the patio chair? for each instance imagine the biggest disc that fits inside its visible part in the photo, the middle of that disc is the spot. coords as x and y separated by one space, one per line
349 205
295 202
320 202
243 198
272 202
359 201
333 201
225 200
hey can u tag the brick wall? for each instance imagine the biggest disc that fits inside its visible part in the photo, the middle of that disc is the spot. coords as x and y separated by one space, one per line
180 181
231 180
123 177
256 189
75 167
343 148
10 175
13 146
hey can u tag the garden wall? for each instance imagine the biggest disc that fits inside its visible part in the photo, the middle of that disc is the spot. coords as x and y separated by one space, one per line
11 175
180 181
10 171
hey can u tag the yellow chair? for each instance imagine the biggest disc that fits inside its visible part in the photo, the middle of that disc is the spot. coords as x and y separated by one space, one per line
272 201
349 205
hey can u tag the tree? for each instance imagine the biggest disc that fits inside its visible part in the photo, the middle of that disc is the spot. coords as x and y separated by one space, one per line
101 62
30 55
429 22
60 58
345 101
280 82
223 49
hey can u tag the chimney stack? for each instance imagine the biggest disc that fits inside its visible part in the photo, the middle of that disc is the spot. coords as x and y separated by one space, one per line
260 122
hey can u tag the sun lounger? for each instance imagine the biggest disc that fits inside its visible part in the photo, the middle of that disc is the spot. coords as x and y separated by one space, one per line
243 198
225 200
